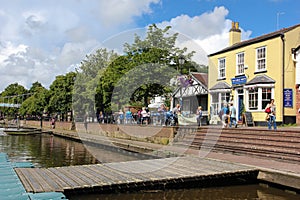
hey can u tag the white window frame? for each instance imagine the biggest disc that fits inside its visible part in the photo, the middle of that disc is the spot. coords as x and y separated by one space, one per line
240 63
259 92
255 100
222 97
262 59
221 68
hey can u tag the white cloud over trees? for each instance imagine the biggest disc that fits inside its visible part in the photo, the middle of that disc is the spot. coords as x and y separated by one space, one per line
42 39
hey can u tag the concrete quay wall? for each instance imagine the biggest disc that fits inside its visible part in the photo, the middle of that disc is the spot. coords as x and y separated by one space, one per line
153 134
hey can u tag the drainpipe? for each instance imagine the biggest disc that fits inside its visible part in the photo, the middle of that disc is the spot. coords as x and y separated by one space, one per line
283 79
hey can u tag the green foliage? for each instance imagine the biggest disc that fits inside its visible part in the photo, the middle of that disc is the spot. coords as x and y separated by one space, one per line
88 90
106 81
61 91
13 94
37 102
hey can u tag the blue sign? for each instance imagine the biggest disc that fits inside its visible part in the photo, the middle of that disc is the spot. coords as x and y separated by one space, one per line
239 80
288 98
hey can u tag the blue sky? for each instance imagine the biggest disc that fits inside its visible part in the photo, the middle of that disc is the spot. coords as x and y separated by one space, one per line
42 39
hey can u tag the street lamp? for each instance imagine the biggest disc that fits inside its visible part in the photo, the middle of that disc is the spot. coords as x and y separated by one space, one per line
181 61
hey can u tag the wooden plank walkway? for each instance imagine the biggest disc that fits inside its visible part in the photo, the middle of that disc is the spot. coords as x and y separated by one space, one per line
128 175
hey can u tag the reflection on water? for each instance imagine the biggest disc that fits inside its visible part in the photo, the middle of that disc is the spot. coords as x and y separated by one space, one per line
44 150
245 192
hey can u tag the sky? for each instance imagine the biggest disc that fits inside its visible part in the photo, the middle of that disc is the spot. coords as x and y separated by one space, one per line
42 39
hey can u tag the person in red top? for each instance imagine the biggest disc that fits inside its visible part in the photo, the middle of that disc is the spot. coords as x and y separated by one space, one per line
272 115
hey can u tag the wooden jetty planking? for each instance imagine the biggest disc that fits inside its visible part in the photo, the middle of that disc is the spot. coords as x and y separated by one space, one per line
154 174
53 177
128 176
106 171
54 186
130 169
42 180
71 173
33 186
86 176
102 180
69 183
123 173
164 169
210 165
76 182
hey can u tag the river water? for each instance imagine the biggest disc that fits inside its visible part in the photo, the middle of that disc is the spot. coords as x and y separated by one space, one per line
44 150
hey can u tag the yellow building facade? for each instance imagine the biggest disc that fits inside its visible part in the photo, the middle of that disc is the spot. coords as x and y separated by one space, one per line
250 73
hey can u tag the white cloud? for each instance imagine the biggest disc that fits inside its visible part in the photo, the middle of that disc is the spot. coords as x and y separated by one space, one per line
205 34
117 12
41 39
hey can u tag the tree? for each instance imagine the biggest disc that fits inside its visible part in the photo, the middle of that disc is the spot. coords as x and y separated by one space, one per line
86 97
61 91
13 94
150 59
37 102
107 81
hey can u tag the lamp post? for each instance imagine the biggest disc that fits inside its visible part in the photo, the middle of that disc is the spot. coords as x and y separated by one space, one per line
181 61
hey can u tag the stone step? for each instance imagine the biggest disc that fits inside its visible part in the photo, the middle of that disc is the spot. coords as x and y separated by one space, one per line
266 144
262 141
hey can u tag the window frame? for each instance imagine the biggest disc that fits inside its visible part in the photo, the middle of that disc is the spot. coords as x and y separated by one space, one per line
217 100
260 104
253 99
265 101
221 68
240 66
261 60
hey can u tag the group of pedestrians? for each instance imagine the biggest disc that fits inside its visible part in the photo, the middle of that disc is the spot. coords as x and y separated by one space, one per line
126 117
169 117
228 115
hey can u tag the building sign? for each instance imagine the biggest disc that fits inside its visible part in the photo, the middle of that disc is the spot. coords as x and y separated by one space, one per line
239 80
288 98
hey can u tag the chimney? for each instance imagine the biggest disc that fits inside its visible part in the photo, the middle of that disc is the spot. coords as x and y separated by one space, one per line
234 34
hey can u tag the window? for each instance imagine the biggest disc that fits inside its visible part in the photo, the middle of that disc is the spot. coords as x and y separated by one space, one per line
217 100
261 59
253 98
259 97
225 97
222 68
214 103
240 63
266 96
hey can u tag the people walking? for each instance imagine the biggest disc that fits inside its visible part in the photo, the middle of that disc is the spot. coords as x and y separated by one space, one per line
53 123
232 115
121 116
225 115
128 117
199 116
161 113
145 116
176 111
272 114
